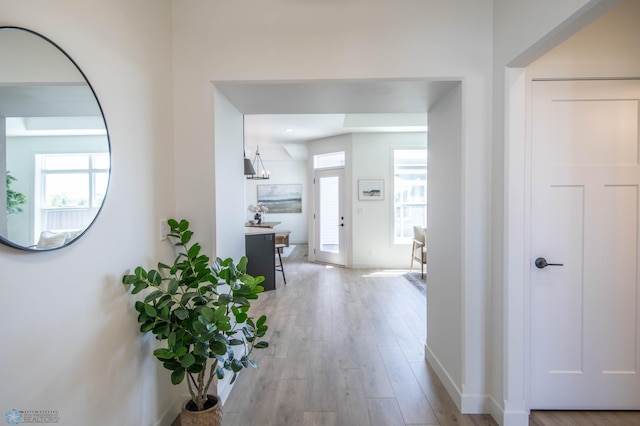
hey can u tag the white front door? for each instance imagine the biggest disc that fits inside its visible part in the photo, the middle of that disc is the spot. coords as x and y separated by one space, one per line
585 316
329 217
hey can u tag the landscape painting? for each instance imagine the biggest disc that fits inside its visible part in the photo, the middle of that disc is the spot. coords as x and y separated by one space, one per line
280 198
370 189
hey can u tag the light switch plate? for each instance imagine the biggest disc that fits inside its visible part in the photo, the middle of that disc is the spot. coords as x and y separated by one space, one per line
164 230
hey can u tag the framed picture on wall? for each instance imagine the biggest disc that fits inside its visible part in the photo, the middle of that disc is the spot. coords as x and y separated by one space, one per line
281 198
370 189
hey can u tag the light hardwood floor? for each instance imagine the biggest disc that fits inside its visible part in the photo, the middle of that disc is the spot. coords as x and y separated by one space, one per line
347 349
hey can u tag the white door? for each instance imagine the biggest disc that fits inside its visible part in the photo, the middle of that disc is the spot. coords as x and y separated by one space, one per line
585 317
329 217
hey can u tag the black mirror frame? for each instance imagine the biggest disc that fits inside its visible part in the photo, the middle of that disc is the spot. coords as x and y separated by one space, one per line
9 243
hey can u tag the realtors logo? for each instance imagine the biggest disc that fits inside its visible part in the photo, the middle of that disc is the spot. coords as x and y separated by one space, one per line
15 417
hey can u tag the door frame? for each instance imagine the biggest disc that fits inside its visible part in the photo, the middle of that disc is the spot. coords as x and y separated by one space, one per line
344 243
326 147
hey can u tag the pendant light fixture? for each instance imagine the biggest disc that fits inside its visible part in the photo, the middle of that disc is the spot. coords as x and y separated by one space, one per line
248 167
259 171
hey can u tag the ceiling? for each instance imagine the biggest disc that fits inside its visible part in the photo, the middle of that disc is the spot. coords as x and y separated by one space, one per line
280 117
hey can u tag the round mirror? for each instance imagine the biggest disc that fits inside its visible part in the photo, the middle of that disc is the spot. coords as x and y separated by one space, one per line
54 145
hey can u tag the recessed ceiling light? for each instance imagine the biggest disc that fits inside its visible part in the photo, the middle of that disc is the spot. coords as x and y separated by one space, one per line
289 130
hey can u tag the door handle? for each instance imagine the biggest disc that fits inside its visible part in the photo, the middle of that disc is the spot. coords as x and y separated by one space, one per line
541 263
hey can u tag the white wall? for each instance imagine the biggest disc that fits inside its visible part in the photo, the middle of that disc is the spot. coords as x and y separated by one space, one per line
445 277
373 221
69 333
229 188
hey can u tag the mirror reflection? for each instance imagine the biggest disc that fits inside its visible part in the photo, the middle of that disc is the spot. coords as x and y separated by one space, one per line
54 145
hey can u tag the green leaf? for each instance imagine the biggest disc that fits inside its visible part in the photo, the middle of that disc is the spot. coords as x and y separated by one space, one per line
261 345
171 365
242 264
218 348
186 237
140 273
187 360
129 279
164 301
188 296
139 286
154 277
163 353
139 306
200 328
241 317
181 351
150 311
147 326
178 375
242 301
208 313
236 365
171 341
261 321
200 349
172 288
163 312
224 299
181 313
220 372
194 251
153 295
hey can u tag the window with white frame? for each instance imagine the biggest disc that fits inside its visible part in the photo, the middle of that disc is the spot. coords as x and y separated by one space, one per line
410 192
329 160
72 187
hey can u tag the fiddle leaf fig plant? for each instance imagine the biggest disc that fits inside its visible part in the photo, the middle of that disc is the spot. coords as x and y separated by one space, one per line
202 311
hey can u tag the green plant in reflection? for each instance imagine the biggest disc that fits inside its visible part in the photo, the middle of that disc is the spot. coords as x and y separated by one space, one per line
15 200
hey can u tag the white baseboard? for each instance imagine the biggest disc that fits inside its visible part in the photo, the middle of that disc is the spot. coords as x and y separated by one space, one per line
475 404
467 403
444 377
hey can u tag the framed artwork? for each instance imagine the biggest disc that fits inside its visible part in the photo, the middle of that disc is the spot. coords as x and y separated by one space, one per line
279 198
370 189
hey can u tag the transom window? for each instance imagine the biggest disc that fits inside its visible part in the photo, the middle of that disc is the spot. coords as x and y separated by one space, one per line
325 161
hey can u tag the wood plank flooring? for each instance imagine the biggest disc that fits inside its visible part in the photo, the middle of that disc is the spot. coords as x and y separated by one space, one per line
347 349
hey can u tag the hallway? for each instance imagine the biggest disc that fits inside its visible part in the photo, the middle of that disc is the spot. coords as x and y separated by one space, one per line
346 348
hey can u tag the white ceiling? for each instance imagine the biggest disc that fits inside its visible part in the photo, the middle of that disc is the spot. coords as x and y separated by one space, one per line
318 109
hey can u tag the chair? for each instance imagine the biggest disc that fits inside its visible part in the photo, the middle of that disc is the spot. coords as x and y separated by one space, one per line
280 265
419 248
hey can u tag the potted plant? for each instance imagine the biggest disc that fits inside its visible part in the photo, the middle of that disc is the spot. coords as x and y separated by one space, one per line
202 312
258 209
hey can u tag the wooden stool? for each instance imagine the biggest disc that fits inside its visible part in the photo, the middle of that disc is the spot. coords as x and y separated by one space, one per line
279 265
